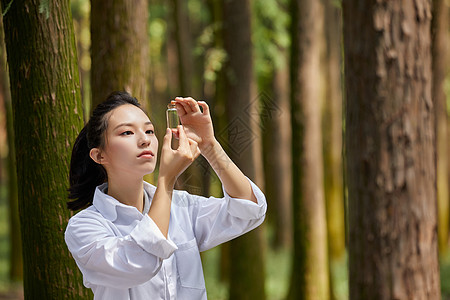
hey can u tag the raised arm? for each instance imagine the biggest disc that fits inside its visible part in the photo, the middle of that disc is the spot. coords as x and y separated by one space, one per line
173 163
198 126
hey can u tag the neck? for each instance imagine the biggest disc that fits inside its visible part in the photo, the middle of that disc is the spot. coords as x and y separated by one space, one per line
128 192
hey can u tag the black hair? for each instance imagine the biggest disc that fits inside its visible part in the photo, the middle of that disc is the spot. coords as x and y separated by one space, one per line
85 174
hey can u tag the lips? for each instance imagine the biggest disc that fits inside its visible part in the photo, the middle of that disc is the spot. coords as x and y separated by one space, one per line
146 154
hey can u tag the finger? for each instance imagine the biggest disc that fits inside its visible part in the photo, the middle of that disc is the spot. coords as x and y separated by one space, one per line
180 109
167 139
204 106
192 104
187 108
183 138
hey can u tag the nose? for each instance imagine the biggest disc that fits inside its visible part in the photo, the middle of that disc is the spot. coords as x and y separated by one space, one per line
144 141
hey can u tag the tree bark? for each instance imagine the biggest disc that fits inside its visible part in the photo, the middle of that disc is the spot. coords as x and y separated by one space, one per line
47 111
81 23
192 178
310 276
217 108
440 68
393 243
273 99
246 252
332 138
184 48
120 49
15 241
332 121
277 155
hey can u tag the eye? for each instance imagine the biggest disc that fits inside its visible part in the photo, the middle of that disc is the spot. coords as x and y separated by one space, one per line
150 131
128 132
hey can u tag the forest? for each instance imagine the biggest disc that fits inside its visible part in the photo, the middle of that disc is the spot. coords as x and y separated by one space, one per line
338 109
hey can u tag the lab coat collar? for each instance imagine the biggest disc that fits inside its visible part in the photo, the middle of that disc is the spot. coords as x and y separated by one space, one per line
108 205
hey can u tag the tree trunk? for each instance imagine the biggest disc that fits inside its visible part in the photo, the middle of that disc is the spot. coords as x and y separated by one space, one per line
271 50
310 276
277 155
119 49
192 178
217 108
15 241
393 244
332 137
47 111
80 16
440 67
246 252
184 47
332 121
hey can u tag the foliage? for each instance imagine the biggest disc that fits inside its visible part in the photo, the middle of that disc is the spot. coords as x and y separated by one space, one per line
158 31
277 270
197 12
270 35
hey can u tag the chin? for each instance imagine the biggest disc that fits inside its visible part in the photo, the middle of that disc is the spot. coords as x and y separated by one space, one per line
149 171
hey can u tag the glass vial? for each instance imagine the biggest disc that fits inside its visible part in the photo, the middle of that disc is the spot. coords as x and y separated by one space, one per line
172 116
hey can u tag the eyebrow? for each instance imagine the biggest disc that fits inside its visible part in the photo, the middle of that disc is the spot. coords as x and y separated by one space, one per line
131 124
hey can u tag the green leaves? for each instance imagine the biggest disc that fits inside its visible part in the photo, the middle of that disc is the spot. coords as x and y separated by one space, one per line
270 34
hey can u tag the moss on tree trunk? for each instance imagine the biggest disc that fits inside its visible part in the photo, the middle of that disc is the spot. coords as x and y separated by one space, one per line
47 117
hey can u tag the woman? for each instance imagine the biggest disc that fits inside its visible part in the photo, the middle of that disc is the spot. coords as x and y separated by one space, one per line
138 241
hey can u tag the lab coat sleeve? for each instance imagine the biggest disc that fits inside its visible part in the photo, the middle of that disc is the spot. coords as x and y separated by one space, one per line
218 220
116 261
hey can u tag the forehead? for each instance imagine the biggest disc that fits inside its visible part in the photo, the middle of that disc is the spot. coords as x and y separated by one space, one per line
127 113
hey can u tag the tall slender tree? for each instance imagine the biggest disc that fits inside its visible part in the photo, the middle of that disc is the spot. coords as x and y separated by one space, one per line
277 155
393 245
332 137
218 106
440 69
183 41
310 276
80 16
191 179
271 45
246 252
47 111
119 49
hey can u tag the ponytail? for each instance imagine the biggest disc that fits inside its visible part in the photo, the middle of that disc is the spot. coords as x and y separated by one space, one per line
84 175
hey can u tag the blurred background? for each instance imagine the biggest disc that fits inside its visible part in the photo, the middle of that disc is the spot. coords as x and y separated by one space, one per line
236 56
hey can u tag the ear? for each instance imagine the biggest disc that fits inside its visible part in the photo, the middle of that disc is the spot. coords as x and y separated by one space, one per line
96 155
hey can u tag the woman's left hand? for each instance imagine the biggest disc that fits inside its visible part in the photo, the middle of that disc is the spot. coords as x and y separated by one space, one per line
197 124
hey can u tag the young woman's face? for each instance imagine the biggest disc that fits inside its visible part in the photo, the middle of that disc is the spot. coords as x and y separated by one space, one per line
131 145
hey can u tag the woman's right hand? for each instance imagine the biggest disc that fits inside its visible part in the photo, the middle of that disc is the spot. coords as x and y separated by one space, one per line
174 162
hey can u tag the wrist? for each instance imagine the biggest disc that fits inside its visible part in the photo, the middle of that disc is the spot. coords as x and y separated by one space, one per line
166 183
209 148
